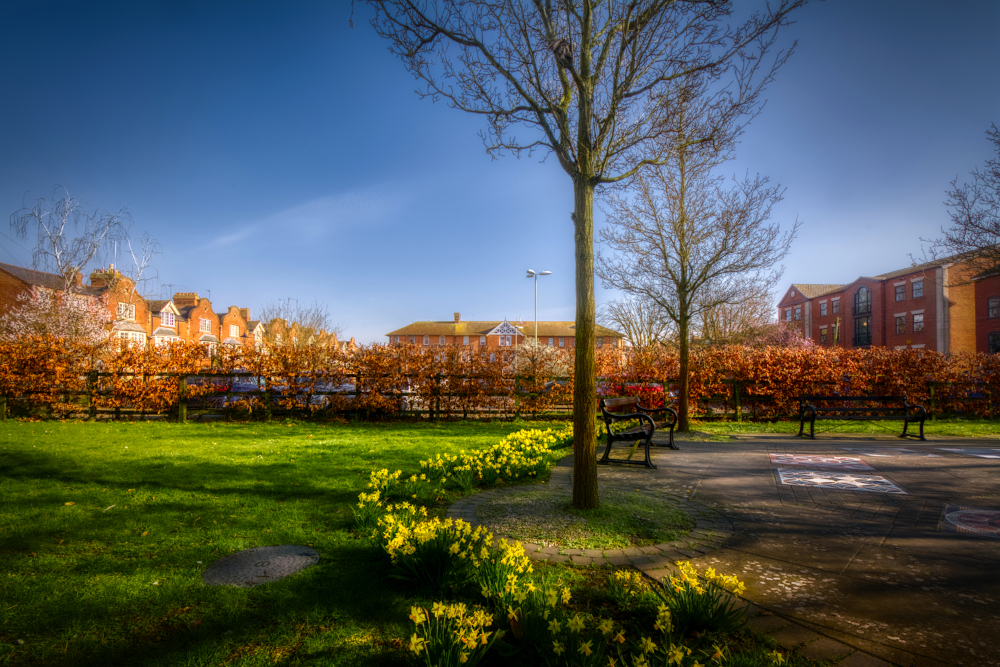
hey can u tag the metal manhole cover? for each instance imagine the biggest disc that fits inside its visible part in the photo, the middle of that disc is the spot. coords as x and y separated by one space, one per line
259 565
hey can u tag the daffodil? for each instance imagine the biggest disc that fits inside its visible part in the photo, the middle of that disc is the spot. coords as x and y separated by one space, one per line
417 643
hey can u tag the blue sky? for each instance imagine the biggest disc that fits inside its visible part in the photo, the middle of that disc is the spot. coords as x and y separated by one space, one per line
275 152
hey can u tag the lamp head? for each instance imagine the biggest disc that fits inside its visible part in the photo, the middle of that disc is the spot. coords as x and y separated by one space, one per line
545 273
531 273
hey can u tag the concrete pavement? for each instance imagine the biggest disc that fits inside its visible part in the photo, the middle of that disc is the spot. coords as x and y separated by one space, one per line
843 541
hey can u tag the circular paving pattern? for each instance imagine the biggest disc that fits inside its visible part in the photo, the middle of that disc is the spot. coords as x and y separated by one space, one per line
974 520
711 529
259 565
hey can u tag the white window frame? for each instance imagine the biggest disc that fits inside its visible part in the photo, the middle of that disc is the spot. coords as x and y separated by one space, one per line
413 340
550 341
427 340
167 319
465 340
835 305
562 342
822 308
788 314
234 331
126 311
482 341
204 325
918 324
441 340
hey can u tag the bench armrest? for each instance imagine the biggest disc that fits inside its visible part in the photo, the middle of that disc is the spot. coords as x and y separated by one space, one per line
611 417
664 409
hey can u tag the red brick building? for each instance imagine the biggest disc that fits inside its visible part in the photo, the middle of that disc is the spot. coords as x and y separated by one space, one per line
493 333
139 321
937 306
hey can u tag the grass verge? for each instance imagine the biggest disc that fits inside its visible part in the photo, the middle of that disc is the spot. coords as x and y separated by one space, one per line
625 519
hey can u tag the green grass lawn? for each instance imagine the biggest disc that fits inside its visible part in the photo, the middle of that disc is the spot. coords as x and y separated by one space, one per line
105 529
965 428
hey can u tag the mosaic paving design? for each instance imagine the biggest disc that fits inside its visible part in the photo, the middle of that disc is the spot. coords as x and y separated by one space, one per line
889 452
839 481
259 565
977 521
981 452
847 463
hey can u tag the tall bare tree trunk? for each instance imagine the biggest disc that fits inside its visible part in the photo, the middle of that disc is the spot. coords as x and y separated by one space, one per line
584 387
683 350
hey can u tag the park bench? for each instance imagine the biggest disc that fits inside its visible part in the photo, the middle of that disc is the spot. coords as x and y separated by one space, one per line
616 410
812 408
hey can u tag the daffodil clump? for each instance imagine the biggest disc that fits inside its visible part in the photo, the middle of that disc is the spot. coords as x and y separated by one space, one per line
451 635
435 553
521 455
628 588
704 603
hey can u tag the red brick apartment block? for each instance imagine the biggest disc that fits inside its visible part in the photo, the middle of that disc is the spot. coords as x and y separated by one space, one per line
937 306
495 333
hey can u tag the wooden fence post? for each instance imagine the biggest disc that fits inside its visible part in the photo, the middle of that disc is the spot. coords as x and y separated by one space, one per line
182 402
437 397
267 401
517 397
92 389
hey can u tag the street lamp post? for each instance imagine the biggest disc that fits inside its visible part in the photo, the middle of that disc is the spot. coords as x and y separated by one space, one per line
533 274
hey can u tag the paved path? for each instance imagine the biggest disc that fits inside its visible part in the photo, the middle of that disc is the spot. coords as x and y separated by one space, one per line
862 577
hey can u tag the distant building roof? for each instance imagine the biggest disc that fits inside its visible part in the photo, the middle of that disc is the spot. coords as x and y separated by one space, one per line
482 328
812 291
39 278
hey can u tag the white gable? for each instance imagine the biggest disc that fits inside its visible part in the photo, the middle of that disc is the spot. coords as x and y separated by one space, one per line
505 328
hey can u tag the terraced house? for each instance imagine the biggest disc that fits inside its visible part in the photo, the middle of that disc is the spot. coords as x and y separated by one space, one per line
495 334
139 321
940 305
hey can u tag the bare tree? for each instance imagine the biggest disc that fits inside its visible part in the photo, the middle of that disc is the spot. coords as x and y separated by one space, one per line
727 322
314 316
689 243
539 360
643 321
69 235
975 217
589 79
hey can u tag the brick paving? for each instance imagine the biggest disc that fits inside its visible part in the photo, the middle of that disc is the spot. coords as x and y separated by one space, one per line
857 578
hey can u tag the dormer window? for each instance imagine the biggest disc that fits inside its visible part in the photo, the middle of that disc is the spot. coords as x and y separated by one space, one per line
126 311
167 318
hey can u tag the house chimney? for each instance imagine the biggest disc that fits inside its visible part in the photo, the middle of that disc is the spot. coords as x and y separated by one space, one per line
458 317
245 314
184 299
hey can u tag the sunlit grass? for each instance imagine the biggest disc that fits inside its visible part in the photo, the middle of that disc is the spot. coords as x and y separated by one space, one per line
105 529
981 428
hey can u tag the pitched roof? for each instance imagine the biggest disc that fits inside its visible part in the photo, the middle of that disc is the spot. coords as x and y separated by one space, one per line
481 328
812 291
40 278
